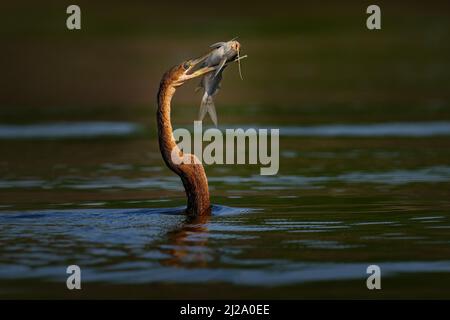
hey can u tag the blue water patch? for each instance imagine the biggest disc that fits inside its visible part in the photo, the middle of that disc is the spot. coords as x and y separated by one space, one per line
62 130
394 129
387 129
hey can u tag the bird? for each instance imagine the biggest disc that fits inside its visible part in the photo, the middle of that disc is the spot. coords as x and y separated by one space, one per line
191 172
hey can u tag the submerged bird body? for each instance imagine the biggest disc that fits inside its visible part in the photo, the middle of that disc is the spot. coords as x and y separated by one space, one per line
222 53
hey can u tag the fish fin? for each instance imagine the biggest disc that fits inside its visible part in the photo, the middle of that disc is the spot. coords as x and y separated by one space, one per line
217 45
203 107
207 106
200 86
212 112
220 67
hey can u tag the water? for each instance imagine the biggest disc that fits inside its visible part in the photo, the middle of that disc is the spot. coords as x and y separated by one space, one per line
67 130
392 129
92 129
346 197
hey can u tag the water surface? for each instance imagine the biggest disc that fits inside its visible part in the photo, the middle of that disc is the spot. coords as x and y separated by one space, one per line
340 203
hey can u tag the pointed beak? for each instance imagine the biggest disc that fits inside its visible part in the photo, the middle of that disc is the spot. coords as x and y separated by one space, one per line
195 62
194 70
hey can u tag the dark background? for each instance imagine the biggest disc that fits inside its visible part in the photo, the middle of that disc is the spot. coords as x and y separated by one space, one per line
308 62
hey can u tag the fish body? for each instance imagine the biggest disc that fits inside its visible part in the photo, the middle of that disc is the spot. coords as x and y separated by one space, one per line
222 53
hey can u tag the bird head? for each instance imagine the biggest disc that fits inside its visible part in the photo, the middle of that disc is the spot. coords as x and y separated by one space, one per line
191 69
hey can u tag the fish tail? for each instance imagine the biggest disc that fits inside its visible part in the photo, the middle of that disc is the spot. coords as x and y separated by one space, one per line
207 106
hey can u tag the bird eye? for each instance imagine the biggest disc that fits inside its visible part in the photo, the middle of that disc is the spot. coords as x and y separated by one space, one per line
186 65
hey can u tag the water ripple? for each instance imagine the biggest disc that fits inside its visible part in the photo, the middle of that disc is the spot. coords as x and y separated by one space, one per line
62 130
256 182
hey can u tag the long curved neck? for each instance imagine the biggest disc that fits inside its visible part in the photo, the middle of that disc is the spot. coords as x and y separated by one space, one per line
192 175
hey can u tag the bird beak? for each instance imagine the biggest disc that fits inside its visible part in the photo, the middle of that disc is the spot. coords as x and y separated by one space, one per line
194 71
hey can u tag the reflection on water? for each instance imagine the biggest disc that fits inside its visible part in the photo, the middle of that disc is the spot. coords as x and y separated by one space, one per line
394 129
188 243
414 129
98 129
162 244
67 130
